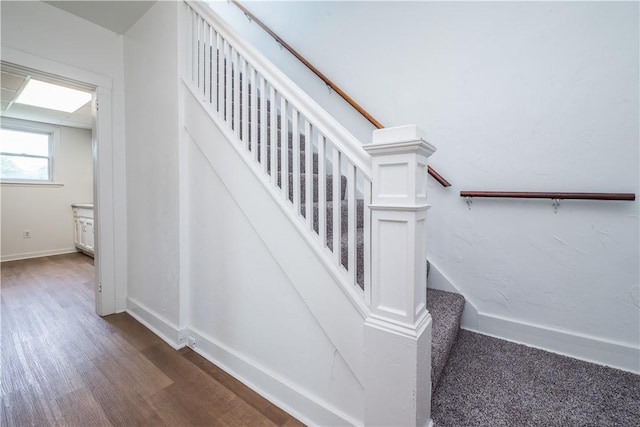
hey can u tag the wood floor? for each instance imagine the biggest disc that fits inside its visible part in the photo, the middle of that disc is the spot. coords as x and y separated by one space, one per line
63 365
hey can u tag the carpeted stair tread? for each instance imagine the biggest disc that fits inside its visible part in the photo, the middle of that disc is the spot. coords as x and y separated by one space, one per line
344 256
446 311
343 214
302 165
328 186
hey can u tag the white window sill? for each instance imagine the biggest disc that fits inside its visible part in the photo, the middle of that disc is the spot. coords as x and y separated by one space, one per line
30 184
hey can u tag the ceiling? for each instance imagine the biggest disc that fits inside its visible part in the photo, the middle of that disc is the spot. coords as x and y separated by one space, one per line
117 16
11 84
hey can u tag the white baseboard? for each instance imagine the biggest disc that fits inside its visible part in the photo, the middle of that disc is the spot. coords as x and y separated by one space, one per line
583 347
270 385
438 280
168 331
590 349
121 304
39 254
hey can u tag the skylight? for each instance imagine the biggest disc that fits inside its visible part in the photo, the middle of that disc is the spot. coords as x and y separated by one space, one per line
53 97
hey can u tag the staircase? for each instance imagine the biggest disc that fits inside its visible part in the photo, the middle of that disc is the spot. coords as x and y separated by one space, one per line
445 307
322 177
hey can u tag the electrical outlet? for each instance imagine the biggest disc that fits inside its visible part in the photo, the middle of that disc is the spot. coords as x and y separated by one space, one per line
26 234
191 342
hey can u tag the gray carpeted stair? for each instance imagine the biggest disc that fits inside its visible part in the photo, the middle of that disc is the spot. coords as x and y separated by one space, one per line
446 311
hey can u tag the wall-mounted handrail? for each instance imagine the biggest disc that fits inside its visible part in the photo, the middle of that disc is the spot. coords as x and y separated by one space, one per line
328 82
549 195
310 66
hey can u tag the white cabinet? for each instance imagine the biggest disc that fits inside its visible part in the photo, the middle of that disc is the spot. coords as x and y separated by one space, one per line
83 227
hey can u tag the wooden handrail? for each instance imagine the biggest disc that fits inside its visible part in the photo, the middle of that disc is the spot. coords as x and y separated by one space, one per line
310 66
438 177
328 82
554 196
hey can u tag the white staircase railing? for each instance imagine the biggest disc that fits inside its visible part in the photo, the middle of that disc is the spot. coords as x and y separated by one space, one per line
363 210
287 136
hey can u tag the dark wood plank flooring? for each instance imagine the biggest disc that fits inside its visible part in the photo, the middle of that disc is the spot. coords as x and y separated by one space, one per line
64 365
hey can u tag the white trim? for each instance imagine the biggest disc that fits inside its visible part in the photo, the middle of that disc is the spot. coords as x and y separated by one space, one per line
260 379
165 329
53 131
46 66
29 255
270 385
572 344
106 258
578 346
31 184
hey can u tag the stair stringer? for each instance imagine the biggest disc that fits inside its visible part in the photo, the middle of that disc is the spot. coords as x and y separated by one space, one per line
339 311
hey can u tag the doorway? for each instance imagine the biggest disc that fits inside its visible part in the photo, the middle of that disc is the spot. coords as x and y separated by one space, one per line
102 153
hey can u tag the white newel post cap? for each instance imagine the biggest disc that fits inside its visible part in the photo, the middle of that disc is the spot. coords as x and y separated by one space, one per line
400 134
399 159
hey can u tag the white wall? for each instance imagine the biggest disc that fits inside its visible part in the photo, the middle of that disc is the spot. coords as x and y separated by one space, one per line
522 96
261 305
61 42
151 75
45 209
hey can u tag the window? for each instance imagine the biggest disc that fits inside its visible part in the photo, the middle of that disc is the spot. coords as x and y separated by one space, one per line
26 155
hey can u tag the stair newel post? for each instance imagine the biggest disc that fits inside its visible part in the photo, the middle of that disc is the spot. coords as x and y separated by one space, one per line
398 330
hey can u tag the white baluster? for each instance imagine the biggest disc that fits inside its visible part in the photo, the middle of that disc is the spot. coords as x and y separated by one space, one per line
296 160
217 59
308 171
227 83
284 148
254 113
337 205
207 64
322 192
351 223
235 102
189 40
245 104
273 153
201 55
263 124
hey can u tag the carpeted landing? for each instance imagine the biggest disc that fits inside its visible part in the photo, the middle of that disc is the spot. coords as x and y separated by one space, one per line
491 382
478 380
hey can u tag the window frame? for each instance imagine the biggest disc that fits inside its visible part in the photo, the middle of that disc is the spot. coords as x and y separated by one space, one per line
54 143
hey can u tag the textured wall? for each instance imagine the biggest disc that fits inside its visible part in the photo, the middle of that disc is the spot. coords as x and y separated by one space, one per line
516 96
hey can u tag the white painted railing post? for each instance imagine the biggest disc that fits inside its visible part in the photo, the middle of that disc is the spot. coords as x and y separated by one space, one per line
398 331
